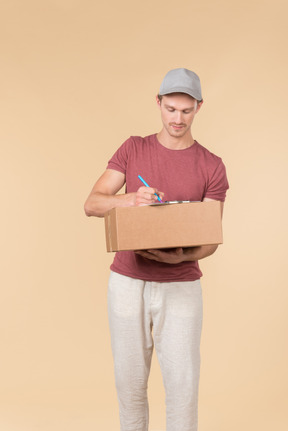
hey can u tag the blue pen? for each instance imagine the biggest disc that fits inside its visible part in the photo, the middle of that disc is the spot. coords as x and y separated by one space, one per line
144 182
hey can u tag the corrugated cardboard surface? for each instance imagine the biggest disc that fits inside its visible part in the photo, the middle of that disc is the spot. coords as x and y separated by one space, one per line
163 226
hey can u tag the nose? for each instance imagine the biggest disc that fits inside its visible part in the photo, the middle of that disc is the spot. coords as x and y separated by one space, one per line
178 117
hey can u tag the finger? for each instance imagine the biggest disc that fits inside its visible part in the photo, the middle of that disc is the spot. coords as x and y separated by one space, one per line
148 255
144 190
154 251
159 195
158 254
146 195
151 191
146 199
179 251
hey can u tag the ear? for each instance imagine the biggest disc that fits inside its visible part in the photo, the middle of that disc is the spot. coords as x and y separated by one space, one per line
158 101
199 104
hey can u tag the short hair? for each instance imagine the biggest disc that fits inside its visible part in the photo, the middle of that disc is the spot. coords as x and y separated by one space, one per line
160 97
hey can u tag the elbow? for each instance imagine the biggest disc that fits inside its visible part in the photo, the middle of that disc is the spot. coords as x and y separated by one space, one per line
208 250
91 212
88 209
213 249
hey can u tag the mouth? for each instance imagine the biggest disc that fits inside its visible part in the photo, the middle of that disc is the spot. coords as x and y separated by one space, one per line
177 126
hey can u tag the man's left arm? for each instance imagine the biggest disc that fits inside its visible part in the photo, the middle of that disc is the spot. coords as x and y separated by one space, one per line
202 251
181 254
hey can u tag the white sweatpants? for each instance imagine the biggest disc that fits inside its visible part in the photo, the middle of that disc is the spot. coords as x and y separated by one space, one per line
174 312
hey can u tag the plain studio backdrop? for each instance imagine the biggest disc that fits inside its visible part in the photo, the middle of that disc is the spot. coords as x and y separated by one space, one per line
77 79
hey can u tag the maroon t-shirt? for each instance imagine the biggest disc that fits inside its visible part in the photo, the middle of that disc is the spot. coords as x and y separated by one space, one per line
189 174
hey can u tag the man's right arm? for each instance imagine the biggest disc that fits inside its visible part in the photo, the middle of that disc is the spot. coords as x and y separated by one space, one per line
103 196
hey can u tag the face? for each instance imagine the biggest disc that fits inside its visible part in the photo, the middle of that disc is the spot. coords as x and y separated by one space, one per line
177 112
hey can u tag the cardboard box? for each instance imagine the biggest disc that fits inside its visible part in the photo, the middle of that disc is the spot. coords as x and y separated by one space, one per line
163 226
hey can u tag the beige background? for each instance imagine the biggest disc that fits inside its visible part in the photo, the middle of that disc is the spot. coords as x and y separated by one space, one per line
77 78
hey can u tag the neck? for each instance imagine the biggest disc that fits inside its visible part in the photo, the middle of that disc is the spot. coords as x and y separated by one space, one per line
175 142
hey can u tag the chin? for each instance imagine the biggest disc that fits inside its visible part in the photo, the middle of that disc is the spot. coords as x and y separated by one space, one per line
178 134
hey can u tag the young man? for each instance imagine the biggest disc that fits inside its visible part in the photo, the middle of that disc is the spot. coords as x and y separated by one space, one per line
159 291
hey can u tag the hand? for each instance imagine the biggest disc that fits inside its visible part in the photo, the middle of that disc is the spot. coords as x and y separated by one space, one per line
172 256
146 196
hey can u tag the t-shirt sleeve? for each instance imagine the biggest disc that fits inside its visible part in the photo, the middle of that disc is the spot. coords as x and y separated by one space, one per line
218 183
118 161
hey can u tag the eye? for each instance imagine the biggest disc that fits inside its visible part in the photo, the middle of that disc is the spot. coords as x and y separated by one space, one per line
171 109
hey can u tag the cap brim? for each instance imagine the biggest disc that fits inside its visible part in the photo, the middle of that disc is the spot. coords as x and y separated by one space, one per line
181 90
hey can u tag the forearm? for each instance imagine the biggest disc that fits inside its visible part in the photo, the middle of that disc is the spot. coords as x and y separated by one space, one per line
200 252
98 203
104 197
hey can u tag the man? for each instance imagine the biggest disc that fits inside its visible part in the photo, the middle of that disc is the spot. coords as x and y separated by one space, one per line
159 291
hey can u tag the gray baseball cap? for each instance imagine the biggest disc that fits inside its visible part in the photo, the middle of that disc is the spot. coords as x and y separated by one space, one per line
181 81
